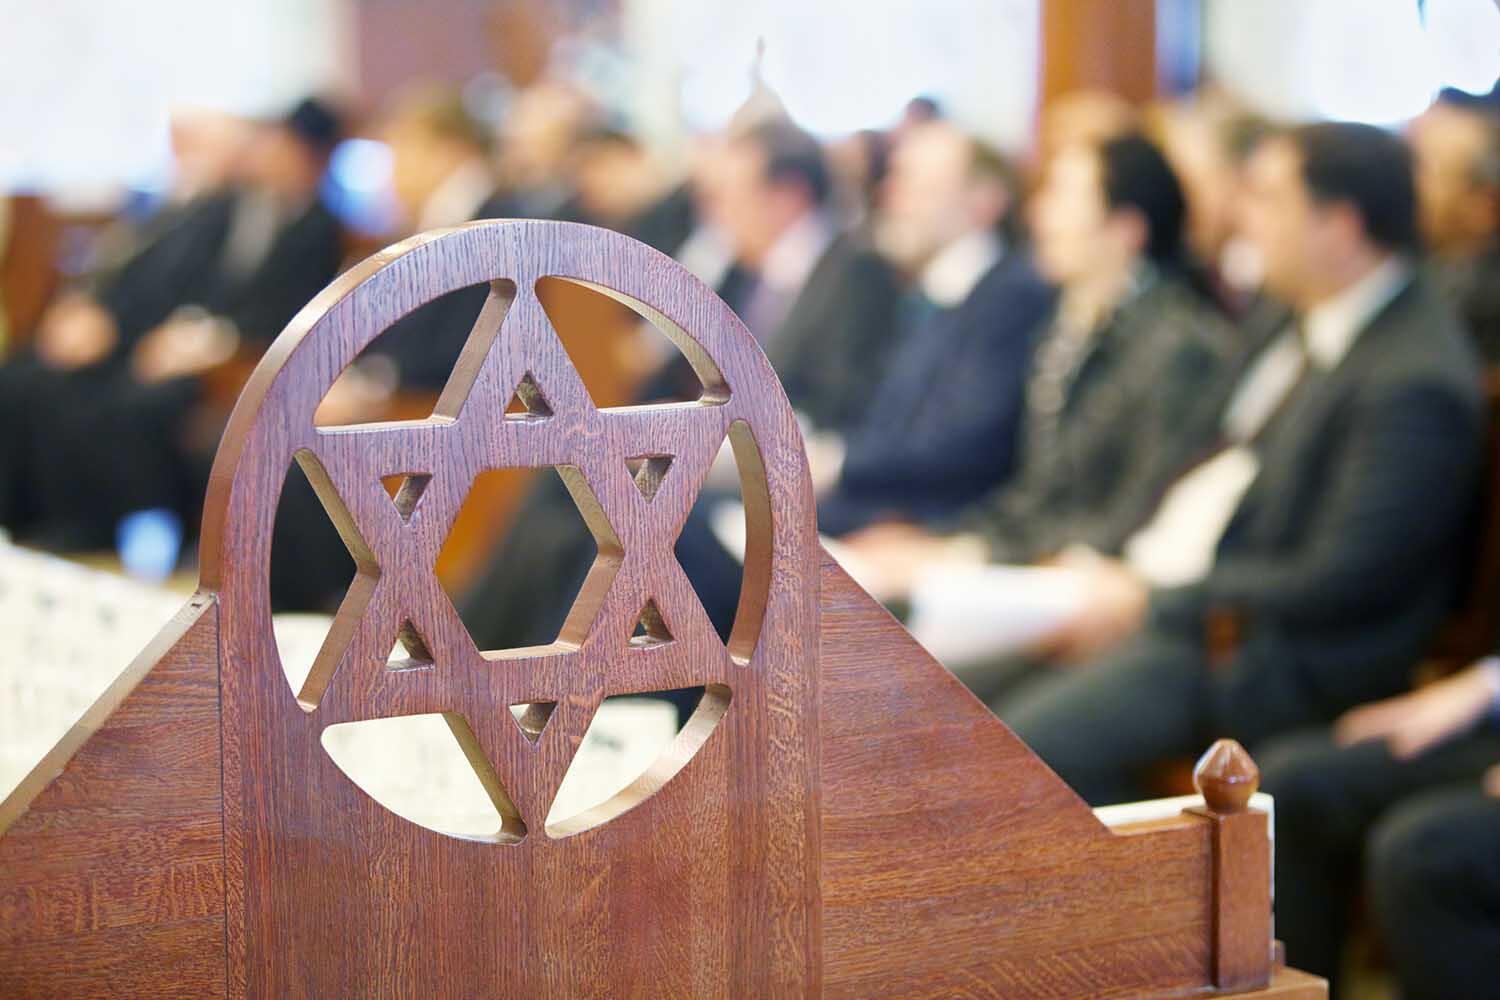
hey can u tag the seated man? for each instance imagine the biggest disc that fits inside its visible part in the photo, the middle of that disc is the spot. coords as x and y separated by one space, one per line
1396 785
942 424
440 176
104 406
943 421
1122 392
1305 567
1457 151
821 303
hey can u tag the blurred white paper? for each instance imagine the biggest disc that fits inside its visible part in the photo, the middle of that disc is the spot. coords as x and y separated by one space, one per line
967 615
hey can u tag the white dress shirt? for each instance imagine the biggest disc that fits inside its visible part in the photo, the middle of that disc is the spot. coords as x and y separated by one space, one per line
1178 545
953 271
784 270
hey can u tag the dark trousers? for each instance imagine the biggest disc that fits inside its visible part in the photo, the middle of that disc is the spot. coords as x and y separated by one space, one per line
79 450
1339 809
1434 872
1099 726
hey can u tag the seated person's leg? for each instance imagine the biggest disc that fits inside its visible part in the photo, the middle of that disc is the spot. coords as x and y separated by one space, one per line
1097 725
1328 797
1434 870
77 506
18 401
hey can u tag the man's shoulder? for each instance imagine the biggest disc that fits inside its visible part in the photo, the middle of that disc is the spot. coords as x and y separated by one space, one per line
851 252
850 270
1418 335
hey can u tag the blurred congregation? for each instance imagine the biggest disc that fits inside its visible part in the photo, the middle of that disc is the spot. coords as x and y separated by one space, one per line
1171 415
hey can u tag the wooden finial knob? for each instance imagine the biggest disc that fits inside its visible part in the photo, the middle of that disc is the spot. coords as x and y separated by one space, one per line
1226 777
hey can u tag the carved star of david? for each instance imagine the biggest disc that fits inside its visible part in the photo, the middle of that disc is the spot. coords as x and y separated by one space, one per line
396 597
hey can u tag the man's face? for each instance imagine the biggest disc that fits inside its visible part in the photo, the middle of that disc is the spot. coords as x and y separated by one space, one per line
1281 220
926 199
1069 218
742 200
278 162
1448 143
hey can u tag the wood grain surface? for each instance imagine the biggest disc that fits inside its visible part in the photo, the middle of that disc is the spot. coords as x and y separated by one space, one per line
111 851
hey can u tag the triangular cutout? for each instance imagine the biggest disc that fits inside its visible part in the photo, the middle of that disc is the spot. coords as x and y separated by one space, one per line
648 471
410 650
650 628
405 489
532 717
527 402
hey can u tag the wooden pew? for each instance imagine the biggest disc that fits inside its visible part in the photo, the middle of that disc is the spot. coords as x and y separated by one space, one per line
838 818
29 235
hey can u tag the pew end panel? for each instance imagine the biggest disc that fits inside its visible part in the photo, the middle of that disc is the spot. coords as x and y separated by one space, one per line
839 818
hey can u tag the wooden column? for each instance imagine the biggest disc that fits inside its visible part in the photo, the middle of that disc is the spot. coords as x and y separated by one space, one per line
28 266
1099 44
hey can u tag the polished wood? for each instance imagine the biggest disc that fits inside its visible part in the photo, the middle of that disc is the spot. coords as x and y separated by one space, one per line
297 829
111 850
840 817
1226 777
1289 984
1020 887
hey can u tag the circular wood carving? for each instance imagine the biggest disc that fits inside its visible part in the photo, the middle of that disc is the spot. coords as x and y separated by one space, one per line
634 472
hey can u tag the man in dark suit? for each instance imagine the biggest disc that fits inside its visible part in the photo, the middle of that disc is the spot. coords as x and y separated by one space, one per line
1394 792
942 424
441 176
1457 148
84 340
104 427
1327 531
823 306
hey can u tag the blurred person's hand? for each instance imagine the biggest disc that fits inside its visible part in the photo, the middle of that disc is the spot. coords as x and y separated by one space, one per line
1415 722
888 557
1115 607
74 333
189 343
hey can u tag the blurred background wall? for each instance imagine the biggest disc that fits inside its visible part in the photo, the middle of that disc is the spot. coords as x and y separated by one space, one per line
87 76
